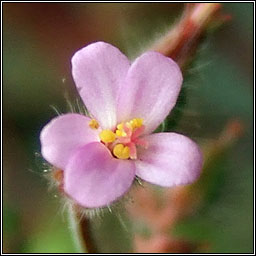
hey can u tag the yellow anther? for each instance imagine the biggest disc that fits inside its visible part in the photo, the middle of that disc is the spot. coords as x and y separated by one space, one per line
94 124
120 126
107 136
120 133
121 151
120 130
136 123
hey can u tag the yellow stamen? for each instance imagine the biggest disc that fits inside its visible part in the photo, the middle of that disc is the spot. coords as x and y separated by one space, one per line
120 130
120 126
94 124
121 151
107 136
120 133
136 123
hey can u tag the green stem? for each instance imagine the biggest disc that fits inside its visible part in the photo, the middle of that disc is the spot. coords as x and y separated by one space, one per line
81 230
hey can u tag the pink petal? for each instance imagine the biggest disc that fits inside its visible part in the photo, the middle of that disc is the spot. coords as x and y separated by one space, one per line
99 69
170 159
152 86
94 178
65 133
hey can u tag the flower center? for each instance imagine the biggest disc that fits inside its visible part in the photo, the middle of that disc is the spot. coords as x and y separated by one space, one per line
123 140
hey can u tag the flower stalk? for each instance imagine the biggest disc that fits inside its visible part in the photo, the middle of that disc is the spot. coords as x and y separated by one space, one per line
79 223
81 230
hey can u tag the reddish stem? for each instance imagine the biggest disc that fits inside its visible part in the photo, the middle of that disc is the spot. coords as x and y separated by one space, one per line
182 41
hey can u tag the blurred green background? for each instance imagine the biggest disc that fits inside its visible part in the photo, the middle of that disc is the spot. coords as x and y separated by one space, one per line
39 41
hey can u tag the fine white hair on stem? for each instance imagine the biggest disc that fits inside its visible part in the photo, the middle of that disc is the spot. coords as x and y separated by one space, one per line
122 222
54 108
70 107
79 107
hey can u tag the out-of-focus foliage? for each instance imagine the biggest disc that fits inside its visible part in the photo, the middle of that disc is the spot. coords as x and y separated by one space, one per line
39 40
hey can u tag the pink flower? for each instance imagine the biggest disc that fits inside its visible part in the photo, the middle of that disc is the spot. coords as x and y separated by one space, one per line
100 156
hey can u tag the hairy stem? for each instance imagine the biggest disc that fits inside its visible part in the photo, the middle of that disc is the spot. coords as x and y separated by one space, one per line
81 230
80 224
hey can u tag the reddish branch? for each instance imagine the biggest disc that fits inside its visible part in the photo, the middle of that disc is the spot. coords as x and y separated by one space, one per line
182 41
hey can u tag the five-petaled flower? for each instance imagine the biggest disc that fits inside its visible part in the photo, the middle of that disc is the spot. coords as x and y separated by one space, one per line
101 154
